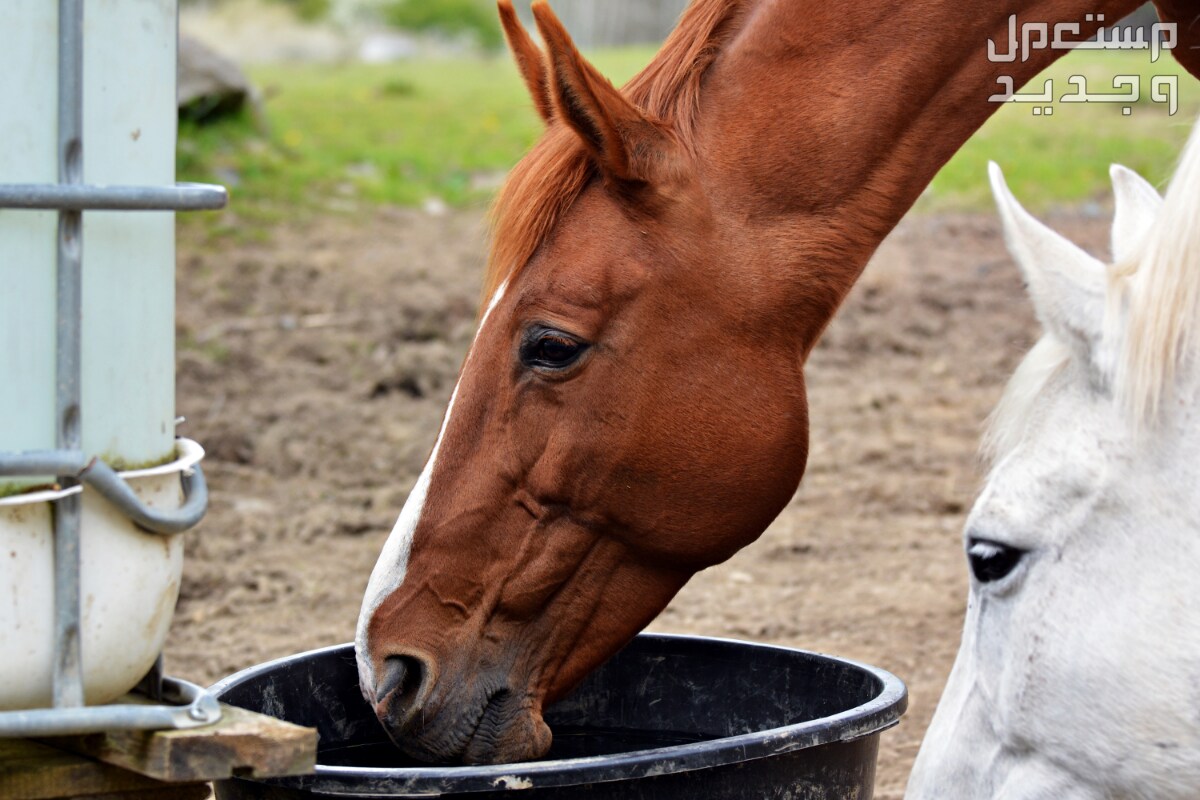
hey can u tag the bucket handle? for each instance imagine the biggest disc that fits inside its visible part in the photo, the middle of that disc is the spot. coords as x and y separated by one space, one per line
105 480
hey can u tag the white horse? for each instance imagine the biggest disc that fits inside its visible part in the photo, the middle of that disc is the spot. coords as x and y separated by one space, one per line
1078 676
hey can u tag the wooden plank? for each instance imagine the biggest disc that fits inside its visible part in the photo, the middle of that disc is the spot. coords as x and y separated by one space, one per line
173 791
243 743
33 771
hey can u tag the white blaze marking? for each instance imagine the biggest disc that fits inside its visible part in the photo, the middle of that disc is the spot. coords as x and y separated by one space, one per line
392 565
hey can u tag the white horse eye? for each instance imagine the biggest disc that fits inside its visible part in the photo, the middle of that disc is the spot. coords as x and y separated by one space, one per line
991 560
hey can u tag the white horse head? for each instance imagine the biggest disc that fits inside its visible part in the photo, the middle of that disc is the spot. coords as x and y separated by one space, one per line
1078 676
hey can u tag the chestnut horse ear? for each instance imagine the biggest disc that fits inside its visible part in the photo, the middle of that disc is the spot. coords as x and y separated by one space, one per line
530 61
619 135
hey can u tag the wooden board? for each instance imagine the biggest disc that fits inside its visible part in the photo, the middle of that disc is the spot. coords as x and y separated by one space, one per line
33 771
242 743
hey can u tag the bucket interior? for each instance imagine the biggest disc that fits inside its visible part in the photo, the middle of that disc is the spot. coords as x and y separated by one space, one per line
658 692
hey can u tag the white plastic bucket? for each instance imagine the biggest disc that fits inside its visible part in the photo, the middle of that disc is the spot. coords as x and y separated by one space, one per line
129 583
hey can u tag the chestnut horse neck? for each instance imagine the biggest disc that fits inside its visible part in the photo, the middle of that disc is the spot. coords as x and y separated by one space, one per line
767 96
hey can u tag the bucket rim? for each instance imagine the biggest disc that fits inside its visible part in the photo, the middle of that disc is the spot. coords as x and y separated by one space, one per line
187 455
867 719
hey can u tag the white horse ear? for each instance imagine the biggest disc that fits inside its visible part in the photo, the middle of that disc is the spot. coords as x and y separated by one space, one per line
1137 206
1067 286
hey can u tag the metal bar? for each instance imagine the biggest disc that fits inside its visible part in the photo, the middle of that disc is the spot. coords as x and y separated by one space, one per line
68 661
193 707
86 197
73 466
43 462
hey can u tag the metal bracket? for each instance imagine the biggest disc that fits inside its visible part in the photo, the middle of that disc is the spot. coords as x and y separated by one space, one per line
190 707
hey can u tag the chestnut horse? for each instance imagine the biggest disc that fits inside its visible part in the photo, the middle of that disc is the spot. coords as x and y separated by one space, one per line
663 261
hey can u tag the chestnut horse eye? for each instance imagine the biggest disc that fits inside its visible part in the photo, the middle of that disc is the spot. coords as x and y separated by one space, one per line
990 560
549 349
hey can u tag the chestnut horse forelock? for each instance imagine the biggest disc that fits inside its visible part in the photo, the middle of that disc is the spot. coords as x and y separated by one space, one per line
725 203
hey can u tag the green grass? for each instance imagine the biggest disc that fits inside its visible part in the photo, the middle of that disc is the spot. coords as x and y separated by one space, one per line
337 137
1064 158
340 138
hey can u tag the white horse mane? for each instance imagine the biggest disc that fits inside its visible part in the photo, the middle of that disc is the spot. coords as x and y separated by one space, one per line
1162 283
1153 301
1006 424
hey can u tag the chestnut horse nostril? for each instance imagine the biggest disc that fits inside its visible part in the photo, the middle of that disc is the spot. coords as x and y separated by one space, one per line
400 682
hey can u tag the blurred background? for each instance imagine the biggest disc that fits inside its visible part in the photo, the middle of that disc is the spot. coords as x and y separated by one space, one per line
414 102
323 316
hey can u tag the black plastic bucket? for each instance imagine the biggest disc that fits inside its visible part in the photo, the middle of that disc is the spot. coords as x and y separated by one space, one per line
667 717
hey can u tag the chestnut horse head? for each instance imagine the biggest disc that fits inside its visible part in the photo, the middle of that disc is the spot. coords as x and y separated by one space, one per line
633 408
631 411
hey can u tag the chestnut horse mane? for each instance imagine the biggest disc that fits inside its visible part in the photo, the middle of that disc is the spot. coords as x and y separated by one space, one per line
544 184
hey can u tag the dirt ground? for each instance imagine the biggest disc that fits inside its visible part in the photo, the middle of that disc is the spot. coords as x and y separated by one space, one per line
314 367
